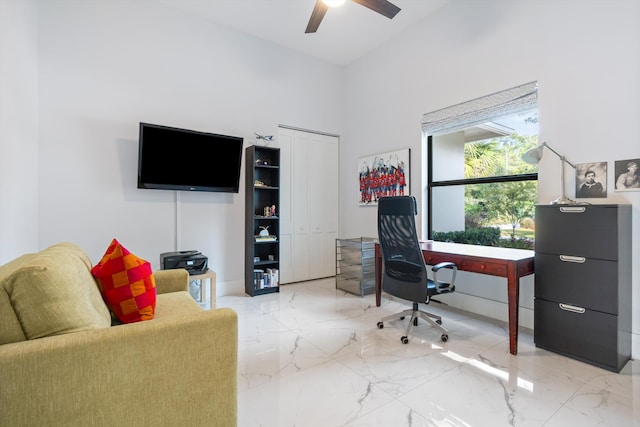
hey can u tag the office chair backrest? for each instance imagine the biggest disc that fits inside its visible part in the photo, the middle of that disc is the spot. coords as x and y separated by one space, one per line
404 270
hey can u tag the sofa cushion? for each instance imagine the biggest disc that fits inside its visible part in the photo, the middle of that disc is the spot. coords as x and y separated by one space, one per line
10 328
126 283
53 292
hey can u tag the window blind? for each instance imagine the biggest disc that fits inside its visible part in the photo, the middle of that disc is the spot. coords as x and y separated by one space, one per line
481 110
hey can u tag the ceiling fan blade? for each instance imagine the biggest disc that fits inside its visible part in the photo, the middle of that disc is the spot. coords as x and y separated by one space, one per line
383 7
316 16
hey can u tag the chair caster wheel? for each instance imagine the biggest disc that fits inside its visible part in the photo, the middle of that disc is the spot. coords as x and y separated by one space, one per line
439 322
380 325
444 337
404 340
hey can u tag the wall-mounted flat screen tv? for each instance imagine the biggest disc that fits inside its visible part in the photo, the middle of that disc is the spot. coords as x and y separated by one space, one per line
187 160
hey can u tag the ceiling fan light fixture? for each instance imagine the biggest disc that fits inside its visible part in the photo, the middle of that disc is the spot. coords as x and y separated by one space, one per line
333 3
383 7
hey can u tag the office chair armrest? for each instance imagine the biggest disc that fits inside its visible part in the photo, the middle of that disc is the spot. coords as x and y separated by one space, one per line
445 264
444 286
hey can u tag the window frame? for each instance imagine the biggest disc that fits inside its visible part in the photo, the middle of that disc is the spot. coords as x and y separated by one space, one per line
460 116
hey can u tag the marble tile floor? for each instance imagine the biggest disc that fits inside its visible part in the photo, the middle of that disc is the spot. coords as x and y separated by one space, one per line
312 355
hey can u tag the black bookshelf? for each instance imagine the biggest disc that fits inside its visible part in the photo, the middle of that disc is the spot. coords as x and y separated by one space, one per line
262 203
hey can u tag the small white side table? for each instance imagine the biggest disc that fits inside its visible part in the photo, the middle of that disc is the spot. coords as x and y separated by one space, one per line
211 276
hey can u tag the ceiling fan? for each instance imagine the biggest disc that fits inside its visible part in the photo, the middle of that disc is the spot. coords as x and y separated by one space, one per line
383 7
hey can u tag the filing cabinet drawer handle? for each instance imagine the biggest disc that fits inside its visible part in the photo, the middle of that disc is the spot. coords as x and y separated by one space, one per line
572 308
573 209
576 259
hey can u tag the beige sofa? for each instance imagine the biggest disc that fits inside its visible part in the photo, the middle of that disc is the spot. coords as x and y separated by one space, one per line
63 364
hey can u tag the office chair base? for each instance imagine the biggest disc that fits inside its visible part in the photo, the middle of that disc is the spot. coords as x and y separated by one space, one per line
415 313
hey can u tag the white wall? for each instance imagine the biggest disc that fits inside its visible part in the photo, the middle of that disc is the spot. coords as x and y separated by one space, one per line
585 56
18 129
104 67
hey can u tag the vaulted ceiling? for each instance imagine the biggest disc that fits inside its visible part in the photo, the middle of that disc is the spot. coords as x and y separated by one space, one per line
345 34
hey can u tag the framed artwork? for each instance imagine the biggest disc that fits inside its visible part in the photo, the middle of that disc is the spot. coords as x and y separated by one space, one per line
591 180
385 174
627 175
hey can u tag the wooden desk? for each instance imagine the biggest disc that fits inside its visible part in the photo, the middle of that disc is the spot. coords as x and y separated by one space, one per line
502 262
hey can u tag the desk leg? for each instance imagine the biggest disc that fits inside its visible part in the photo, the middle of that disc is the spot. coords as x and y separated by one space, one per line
513 297
378 268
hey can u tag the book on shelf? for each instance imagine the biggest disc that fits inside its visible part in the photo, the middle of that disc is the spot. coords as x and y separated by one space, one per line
266 279
270 238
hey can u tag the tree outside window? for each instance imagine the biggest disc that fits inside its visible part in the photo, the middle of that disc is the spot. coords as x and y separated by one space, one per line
480 189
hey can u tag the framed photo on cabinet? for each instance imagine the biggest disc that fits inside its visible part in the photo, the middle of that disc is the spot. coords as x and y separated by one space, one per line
386 174
627 175
591 180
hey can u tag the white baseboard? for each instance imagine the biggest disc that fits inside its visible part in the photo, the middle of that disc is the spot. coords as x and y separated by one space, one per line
489 308
234 287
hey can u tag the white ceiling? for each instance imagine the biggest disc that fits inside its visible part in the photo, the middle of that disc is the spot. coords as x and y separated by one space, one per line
345 34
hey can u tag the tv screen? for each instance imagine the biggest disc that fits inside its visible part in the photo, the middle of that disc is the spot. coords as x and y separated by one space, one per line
180 159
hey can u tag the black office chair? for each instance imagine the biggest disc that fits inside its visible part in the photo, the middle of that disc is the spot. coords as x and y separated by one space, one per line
404 272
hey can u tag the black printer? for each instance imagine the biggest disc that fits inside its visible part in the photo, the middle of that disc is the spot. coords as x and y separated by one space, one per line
192 261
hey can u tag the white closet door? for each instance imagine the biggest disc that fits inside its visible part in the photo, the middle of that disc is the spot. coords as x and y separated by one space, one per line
285 142
309 220
301 257
323 204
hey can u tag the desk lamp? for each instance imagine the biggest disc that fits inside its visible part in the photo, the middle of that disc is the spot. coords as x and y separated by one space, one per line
533 157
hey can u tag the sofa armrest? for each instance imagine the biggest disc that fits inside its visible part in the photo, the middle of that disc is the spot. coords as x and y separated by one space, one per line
171 280
175 371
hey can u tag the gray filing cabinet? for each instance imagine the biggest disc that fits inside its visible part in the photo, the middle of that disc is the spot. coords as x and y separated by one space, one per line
583 282
355 267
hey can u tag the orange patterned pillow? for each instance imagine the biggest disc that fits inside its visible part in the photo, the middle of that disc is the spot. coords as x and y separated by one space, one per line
126 283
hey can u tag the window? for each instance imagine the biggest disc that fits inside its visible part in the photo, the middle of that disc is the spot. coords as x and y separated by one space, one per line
479 191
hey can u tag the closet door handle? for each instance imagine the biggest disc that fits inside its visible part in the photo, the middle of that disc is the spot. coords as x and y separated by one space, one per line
572 308
576 259
573 209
